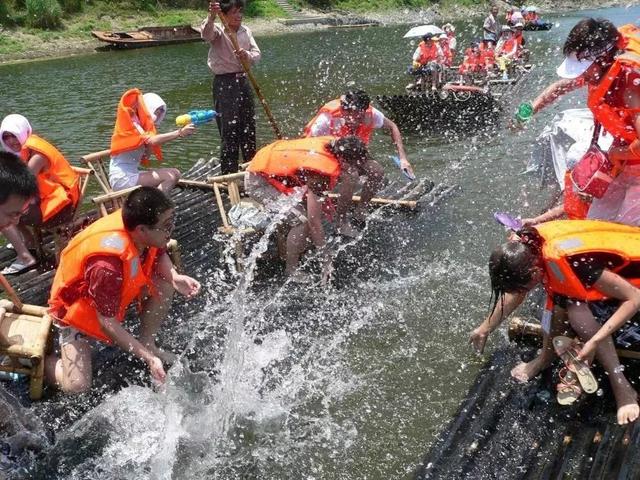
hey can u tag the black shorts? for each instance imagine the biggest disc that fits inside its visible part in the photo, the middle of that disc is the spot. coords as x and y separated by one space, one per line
626 337
33 216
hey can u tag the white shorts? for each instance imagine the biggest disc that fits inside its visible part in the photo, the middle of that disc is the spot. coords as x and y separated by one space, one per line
122 180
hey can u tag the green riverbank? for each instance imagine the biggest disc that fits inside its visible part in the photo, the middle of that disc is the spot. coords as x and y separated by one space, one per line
20 42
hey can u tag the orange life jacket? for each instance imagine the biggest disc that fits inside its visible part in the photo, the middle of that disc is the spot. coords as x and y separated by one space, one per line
472 62
126 136
427 54
58 185
616 119
508 46
564 239
282 162
575 206
447 53
338 128
106 236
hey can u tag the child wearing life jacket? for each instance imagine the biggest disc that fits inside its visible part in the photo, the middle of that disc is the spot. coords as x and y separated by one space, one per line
580 265
447 53
474 63
135 139
607 60
58 185
507 51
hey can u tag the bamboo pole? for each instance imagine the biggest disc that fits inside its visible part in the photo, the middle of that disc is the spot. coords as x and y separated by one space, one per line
382 201
226 178
194 183
13 296
521 328
247 68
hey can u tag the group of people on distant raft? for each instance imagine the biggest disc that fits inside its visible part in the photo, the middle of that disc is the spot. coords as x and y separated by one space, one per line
122 258
497 53
588 265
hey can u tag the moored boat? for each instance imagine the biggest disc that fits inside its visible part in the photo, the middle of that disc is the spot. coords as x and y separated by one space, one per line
149 36
534 27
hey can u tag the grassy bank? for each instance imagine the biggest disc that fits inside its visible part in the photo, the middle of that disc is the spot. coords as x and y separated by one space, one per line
377 5
19 38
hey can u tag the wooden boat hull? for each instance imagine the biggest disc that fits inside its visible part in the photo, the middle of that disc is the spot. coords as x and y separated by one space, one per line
149 36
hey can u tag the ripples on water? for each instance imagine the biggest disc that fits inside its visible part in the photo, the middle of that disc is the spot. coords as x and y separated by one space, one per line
278 380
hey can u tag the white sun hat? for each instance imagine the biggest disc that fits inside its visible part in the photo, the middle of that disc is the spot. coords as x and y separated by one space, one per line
572 67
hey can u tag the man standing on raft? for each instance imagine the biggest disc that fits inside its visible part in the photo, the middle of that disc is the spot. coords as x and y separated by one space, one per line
232 96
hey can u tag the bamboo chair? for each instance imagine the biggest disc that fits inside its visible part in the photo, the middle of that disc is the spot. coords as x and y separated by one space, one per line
24 339
63 233
117 198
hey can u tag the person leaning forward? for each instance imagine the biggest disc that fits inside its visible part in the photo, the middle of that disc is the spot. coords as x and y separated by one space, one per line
232 96
106 267
17 189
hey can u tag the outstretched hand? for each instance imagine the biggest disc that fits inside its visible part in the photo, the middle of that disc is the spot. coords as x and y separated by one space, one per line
157 369
186 286
478 339
214 8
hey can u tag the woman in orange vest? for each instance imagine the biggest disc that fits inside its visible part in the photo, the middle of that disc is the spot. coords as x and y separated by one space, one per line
353 114
427 62
447 53
474 62
607 61
507 49
58 186
117 260
588 267
307 168
135 139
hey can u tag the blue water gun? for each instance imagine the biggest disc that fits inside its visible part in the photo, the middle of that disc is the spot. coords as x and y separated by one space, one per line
196 117
407 173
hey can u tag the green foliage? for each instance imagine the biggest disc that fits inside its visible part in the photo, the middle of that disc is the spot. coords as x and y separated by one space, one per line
45 14
263 8
5 14
72 6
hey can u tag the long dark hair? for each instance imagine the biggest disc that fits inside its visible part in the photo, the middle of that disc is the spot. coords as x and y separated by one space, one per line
511 266
592 37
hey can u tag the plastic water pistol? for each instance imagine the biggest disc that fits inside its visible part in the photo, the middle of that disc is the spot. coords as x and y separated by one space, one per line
407 173
525 112
196 117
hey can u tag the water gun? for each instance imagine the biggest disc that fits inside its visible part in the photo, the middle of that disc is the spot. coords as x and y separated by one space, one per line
525 112
407 173
196 117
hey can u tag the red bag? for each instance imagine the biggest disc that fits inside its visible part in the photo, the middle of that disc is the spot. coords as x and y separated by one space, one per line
592 174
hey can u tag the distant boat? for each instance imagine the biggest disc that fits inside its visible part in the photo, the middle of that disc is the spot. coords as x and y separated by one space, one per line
149 36
532 27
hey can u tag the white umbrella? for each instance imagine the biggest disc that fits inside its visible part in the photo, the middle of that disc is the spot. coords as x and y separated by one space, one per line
423 30
530 9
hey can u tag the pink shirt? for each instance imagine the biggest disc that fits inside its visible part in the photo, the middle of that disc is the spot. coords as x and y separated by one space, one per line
221 58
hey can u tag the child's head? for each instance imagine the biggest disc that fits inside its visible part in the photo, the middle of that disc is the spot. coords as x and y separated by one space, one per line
514 267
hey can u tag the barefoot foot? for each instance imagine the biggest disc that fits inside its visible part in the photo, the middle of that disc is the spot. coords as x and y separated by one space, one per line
628 413
523 372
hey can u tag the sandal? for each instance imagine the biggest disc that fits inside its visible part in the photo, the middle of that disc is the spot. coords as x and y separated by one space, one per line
567 349
568 388
18 267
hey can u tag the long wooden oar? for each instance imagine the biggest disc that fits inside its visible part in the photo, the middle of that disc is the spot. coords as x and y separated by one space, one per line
13 296
247 68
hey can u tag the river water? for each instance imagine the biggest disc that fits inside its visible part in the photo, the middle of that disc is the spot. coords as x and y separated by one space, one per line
349 382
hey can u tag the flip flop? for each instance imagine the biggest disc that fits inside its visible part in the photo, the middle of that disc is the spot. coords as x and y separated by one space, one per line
567 350
18 267
568 388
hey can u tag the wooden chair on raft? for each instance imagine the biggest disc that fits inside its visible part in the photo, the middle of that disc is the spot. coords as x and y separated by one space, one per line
24 339
63 233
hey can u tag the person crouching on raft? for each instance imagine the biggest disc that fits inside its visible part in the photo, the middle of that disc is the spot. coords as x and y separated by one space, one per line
113 262
353 114
307 166
589 268
134 140
58 185
607 60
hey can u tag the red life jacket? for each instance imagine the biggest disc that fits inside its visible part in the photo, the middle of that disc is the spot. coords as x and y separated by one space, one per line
284 162
338 127
575 206
428 54
58 184
617 119
106 236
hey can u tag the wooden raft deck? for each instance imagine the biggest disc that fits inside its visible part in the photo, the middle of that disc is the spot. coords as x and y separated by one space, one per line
197 221
505 430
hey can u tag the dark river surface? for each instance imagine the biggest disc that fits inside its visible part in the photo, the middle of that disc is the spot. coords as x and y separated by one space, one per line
352 382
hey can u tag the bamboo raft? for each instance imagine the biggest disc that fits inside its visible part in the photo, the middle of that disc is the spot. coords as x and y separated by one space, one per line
199 218
453 107
505 430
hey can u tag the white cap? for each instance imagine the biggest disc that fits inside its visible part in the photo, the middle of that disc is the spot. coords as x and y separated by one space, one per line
443 36
519 25
572 67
